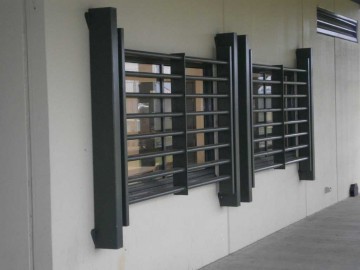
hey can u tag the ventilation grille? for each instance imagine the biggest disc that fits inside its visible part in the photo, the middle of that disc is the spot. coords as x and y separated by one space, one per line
335 25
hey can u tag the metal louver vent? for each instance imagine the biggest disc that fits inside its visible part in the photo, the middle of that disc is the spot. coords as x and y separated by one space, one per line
335 25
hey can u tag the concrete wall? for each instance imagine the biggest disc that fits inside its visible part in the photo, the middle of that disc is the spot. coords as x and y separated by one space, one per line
171 232
15 222
25 222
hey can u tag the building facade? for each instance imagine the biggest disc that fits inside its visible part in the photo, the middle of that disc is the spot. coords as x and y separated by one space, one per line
46 156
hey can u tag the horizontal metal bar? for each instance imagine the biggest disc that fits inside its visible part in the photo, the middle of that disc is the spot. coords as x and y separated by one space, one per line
267 110
154 135
155 154
295 96
336 34
266 67
267 124
208 164
207 113
207 96
296 122
152 115
192 59
333 26
152 75
151 55
152 95
294 83
296 134
296 160
205 181
295 109
266 82
266 153
156 193
207 147
156 174
207 130
268 139
294 70
267 96
203 78
268 167
141 187
293 148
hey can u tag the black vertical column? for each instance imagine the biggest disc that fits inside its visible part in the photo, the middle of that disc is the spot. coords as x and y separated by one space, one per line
227 50
306 167
105 105
178 86
244 110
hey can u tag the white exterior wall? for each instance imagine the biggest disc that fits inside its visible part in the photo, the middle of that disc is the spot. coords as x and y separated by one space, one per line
15 223
25 223
172 232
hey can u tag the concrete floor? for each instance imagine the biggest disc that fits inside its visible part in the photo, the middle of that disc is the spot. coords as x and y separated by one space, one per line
328 240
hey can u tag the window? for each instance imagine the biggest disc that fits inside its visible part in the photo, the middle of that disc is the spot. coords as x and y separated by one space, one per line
283 116
336 25
178 134
166 123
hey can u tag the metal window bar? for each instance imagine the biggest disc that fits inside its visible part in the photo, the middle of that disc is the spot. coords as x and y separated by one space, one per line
292 116
217 96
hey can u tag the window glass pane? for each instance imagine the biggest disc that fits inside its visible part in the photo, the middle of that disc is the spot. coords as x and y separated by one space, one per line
143 105
261 117
168 162
261 131
143 146
168 124
139 167
167 105
198 157
269 117
168 140
143 125
268 103
269 130
136 67
260 103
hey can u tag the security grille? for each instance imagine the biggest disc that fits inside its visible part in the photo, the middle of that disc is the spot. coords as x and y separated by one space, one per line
282 115
188 136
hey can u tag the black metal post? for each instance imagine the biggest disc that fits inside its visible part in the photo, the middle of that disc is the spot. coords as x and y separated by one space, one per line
306 167
107 148
178 86
227 49
244 110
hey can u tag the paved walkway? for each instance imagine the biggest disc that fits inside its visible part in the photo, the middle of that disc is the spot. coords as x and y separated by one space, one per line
328 240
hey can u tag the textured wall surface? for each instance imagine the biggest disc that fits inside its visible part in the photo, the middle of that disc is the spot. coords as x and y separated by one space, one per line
176 232
14 148
171 232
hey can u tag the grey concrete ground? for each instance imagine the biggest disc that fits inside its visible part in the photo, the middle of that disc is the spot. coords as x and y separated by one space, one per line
328 240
